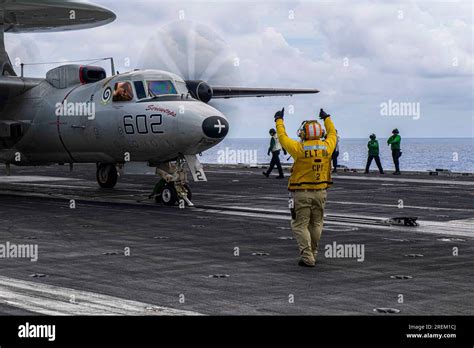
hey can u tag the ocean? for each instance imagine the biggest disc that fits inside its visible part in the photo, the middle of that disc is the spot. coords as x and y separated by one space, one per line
419 154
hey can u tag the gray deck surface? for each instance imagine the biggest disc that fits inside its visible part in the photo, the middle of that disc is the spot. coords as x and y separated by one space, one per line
174 251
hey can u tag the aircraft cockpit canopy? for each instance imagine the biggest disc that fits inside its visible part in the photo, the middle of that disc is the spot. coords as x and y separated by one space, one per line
123 91
144 84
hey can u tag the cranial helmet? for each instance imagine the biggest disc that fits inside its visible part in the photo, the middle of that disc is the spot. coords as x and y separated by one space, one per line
372 136
395 131
311 130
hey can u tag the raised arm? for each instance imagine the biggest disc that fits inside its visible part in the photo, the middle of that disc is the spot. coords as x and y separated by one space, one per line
331 137
293 147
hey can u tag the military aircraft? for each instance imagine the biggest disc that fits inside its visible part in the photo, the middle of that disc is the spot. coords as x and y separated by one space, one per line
78 114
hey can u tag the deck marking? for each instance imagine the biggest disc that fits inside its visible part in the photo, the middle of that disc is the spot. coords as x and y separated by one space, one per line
33 178
363 178
408 180
430 227
55 300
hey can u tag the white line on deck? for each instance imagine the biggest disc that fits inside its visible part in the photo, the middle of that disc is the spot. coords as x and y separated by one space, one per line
460 228
366 178
54 300
32 178
417 181
279 198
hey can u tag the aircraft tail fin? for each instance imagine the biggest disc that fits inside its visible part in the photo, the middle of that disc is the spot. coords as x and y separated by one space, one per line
6 67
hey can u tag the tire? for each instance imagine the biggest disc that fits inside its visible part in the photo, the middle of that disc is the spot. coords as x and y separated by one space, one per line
107 175
169 196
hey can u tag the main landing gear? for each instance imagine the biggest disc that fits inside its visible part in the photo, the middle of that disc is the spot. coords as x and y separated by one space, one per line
107 175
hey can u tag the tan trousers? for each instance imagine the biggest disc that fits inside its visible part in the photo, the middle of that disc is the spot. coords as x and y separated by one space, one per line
308 225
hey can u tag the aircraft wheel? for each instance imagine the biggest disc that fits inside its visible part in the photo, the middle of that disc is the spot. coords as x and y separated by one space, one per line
107 175
169 195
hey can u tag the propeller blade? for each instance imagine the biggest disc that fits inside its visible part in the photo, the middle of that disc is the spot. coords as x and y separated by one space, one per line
242 92
193 51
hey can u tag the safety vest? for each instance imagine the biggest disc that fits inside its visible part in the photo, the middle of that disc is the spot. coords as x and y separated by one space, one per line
276 144
312 167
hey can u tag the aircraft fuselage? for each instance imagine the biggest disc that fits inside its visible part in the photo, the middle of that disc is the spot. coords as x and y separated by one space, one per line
84 124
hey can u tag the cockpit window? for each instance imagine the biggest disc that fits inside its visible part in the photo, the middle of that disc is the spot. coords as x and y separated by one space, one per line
140 89
123 92
161 88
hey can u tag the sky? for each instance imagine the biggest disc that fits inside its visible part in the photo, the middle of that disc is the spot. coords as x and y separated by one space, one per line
378 65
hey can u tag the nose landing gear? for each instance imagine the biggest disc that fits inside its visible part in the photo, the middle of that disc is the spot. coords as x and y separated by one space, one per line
172 193
168 196
172 189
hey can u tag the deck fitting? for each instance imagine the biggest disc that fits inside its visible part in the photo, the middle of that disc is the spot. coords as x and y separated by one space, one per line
387 310
219 276
401 277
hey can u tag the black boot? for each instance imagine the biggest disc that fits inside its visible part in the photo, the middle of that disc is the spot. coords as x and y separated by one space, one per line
304 264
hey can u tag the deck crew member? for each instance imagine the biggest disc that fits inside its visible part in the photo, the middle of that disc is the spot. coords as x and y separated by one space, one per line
335 154
310 177
394 141
373 146
274 149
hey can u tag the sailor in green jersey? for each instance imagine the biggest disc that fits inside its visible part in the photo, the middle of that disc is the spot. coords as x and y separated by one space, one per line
394 141
373 146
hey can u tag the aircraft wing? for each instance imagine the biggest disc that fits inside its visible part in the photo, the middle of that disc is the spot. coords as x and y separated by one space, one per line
242 92
12 86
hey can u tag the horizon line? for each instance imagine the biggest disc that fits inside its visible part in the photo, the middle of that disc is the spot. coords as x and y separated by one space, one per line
366 137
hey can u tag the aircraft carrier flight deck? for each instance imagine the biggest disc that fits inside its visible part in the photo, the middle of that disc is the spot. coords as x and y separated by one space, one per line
116 252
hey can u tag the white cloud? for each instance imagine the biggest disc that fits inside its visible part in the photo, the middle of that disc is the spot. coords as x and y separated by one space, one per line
422 54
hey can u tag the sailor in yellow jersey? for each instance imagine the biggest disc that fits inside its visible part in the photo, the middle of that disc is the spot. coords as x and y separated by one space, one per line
310 177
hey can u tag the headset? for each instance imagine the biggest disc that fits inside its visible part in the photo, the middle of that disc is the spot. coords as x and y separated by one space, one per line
311 130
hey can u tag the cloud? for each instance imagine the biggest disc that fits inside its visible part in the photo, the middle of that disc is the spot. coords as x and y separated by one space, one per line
397 37
359 54
192 50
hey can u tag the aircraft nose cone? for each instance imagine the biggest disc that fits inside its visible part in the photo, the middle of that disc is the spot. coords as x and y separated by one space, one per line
215 127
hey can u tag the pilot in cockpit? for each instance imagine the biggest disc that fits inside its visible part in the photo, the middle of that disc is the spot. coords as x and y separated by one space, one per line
123 92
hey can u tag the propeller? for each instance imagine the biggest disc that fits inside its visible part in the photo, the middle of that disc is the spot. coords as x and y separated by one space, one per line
194 51
198 54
